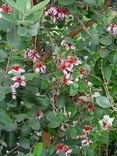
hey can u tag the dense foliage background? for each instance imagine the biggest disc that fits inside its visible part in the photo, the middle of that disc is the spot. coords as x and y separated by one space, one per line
58 78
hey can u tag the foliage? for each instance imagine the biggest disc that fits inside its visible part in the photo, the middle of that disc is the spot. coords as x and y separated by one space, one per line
58 78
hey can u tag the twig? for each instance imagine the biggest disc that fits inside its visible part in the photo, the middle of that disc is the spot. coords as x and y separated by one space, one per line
106 85
8 63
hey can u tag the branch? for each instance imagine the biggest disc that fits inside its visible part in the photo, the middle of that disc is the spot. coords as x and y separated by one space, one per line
35 40
80 28
90 22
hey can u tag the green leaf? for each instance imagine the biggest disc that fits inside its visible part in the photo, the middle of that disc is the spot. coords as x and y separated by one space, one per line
107 71
25 143
22 31
13 5
3 54
106 40
73 132
50 116
114 90
43 100
95 80
103 102
39 6
23 5
34 124
54 124
20 117
5 118
73 89
29 76
90 2
66 2
61 101
38 149
9 18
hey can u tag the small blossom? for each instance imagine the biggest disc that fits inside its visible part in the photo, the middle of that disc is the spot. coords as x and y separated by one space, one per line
73 61
64 127
56 13
6 8
82 72
85 132
64 67
16 69
66 80
40 67
68 45
19 81
90 107
14 93
39 115
112 28
32 54
65 148
86 142
106 122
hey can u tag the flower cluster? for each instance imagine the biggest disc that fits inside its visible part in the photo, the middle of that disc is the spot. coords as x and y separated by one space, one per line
18 78
106 122
32 54
65 148
112 28
56 13
85 140
67 66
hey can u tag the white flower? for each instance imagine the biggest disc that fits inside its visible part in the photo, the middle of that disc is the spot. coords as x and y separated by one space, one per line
106 122
86 142
32 54
40 67
16 69
112 28
19 81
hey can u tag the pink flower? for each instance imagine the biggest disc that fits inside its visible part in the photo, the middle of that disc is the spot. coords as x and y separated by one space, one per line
40 67
112 28
6 8
73 61
19 81
14 93
39 115
82 72
16 69
64 67
86 142
32 54
85 133
65 148
66 80
90 107
56 13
